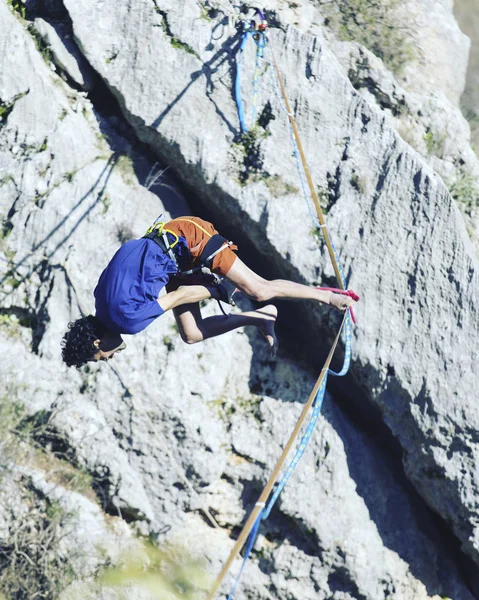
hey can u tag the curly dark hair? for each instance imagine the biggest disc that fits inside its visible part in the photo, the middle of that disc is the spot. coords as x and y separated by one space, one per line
77 343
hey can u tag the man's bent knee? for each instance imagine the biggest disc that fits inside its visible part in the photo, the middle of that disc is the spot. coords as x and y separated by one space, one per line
260 292
192 337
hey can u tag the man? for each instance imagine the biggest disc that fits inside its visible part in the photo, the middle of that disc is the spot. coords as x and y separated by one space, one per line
127 297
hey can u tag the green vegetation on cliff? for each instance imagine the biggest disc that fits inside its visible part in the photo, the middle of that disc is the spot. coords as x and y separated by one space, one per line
372 24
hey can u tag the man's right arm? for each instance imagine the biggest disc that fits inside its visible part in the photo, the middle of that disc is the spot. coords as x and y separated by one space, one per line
185 294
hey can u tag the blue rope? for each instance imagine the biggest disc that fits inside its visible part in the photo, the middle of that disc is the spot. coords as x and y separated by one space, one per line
317 405
259 38
249 547
239 101
259 57
318 401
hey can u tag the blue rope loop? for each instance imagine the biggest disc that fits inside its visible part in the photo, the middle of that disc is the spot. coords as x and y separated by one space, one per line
260 39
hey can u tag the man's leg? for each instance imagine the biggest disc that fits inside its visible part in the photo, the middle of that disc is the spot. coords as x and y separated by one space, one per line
226 263
194 328
262 290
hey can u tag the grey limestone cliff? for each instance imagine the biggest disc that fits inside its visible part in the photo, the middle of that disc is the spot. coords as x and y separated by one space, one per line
96 99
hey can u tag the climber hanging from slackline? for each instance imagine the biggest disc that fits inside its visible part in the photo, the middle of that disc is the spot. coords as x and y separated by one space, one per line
176 255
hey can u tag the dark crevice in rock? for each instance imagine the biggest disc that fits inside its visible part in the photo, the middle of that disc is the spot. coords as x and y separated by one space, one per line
334 184
6 107
371 422
28 318
124 441
59 19
41 310
313 54
23 316
279 527
126 390
340 581
56 15
7 227
253 157
360 78
7 224
174 41
397 106
106 490
382 177
466 567
273 19
247 458
230 480
42 430
46 9
40 427
195 478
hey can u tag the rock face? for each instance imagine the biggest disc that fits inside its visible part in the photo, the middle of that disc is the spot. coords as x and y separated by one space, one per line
385 501
467 15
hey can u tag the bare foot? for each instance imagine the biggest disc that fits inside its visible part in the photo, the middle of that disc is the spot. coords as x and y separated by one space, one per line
341 302
270 313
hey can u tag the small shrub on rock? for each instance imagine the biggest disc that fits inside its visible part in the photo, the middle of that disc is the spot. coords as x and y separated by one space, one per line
372 24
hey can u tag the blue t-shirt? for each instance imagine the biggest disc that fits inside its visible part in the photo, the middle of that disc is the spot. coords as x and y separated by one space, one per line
126 297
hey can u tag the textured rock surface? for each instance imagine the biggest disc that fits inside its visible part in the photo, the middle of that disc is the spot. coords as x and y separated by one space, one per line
467 14
65 53
442 49
171 430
